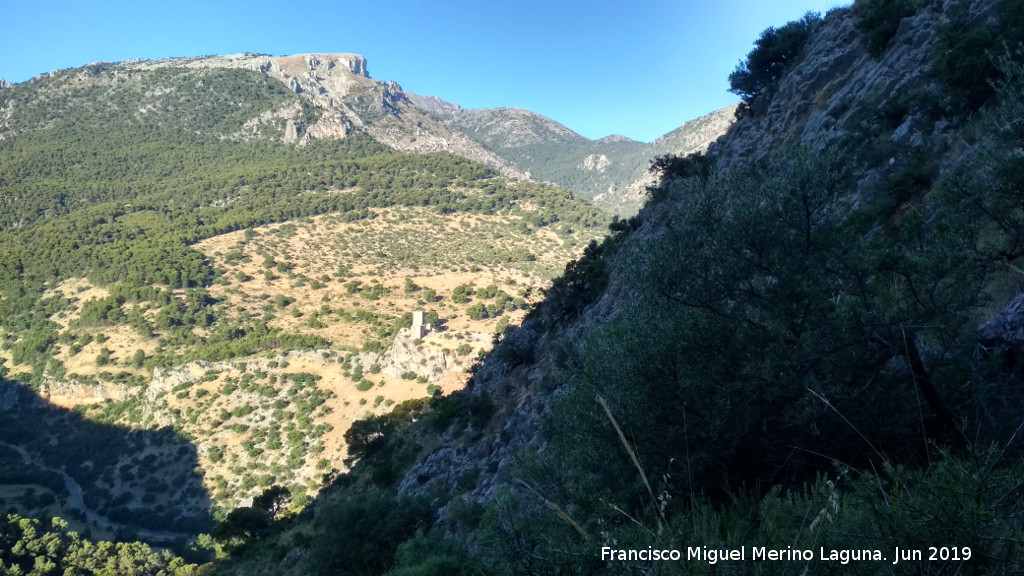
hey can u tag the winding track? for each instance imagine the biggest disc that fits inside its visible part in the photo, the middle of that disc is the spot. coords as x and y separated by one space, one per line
78 502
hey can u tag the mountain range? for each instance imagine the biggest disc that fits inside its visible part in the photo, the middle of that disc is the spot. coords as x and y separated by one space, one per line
803 354
611 172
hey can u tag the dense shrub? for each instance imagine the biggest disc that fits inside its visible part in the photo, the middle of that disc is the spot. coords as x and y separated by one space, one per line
360 533
32 547
969 506
878 20
774 51
477 311
969 46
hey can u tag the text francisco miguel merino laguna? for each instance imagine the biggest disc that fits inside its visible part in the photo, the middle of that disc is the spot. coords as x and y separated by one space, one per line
761 553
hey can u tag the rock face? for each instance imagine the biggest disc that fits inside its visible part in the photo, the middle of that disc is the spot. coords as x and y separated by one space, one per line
407 354
1006 329
411 355
596 162
1002 337
68 393
516 388
835 92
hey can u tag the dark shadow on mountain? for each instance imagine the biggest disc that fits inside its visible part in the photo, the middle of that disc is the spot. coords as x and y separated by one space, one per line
138 484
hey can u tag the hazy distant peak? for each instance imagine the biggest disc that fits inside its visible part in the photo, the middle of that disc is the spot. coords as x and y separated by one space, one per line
615 138
433 104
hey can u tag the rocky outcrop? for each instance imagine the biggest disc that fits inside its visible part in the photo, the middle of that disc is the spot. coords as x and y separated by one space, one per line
339 86
270 121
824 97
408 354
595 162
837 89
411 355
64 392
693 136
1005 330
1002 338
522 396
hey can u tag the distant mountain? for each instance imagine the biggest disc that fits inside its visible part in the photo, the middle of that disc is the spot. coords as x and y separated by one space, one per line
334 94
340 89
611 172
693 136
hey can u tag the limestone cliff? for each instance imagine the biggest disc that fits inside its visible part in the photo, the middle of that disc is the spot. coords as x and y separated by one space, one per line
340 88
839 91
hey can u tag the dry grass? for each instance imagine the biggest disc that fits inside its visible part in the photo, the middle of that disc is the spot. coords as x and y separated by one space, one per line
318 257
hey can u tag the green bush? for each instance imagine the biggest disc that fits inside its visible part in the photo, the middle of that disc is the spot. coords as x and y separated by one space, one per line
461 293
32 547
433 555
969 506
503 325
103 358
878 20
774 51
477 311
708 355
360 533
968 48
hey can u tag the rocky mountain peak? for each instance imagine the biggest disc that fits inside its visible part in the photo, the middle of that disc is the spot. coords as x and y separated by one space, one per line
340 87
323 65
615 139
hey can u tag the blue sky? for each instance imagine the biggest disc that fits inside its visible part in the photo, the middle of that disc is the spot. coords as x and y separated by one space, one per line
637 68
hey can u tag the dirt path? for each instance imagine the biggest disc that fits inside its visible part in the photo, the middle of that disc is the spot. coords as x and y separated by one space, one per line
78 502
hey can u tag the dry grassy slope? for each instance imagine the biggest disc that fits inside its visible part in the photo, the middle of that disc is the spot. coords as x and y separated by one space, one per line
230 408
435 252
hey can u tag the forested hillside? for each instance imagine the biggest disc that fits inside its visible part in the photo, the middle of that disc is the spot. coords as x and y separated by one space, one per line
149 382
99 182
807 342
805 350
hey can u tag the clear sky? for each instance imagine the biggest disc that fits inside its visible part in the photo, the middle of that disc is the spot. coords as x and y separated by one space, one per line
600 67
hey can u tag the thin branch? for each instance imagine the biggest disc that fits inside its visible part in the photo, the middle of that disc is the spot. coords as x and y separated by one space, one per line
636 461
